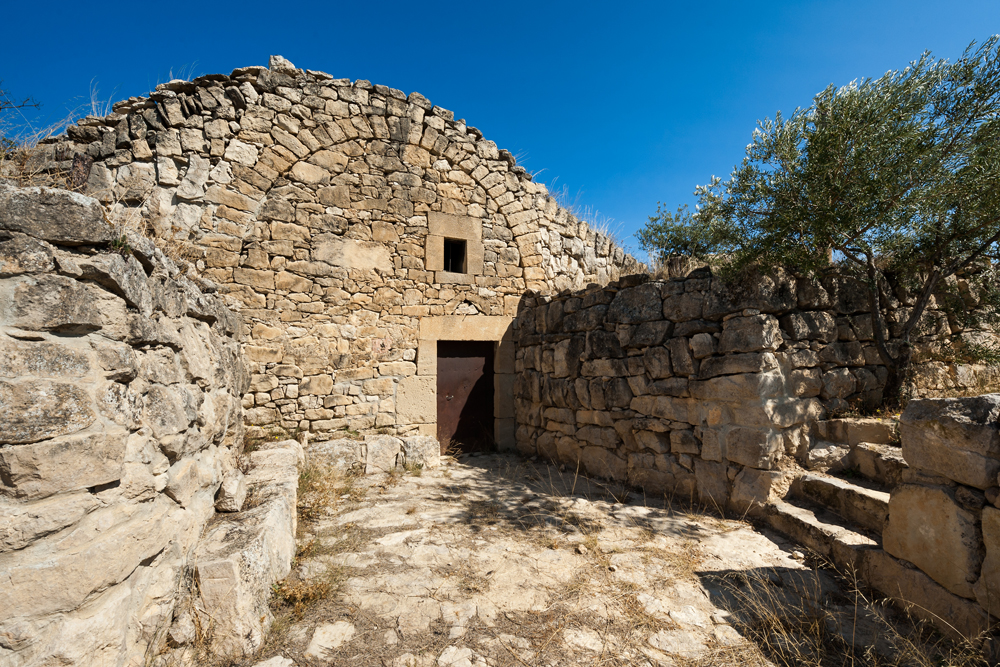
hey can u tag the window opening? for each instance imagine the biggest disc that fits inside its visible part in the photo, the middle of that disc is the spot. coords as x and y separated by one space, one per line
454 255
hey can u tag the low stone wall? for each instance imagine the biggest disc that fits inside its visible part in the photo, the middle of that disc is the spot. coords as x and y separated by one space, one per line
691 386
945 516
120 386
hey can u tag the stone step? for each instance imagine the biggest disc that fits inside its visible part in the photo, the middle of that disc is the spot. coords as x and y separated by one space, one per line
866 508
880 463
820 530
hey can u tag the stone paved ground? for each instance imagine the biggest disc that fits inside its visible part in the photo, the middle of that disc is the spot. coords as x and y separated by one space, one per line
497 561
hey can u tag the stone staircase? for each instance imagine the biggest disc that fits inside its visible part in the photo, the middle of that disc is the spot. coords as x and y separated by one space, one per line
839 508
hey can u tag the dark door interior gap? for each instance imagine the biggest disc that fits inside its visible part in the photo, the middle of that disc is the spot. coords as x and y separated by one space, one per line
465 395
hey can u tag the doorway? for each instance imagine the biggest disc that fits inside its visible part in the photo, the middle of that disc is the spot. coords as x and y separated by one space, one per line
465 399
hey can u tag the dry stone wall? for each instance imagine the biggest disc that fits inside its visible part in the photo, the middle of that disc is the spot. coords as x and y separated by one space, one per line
323 206
689 386
121 381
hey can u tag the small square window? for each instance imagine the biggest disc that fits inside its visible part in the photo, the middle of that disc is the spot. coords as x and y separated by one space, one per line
454 255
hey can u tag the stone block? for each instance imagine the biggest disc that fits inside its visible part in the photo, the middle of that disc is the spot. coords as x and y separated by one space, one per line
636 304
754 489
752 447
738 388
317 385
929 529
657 362
662 407
23 523
604 463
712 483
416 400
816 325
684 364
232 492
63 464
57 216
958 438
34 410
51 303
422 450
732 364
351 253
382 453
749 334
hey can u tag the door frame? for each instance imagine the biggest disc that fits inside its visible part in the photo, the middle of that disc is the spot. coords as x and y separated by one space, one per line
497 329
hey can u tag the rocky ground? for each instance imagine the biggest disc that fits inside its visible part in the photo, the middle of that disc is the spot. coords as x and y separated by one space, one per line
492 560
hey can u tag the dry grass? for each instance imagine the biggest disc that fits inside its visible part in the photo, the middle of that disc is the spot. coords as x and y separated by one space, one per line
817 631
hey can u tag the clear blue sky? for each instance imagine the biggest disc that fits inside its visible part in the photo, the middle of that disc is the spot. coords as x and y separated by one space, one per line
624 103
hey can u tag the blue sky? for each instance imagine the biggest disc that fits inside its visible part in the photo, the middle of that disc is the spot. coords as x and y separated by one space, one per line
624 104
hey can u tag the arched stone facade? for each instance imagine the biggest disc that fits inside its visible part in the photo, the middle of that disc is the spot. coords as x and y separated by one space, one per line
355 225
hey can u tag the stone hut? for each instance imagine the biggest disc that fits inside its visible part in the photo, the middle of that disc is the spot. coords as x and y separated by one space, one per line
366 235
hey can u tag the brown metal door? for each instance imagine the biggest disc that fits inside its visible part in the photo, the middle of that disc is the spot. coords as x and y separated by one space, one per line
465 394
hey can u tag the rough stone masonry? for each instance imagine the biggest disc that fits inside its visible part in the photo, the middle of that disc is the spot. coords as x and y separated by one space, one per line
324 207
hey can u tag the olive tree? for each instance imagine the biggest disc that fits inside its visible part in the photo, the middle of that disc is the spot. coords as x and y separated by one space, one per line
894 181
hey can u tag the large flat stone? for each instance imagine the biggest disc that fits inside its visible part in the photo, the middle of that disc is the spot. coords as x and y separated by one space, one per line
57 216
64 464
928 528
35 410
958 438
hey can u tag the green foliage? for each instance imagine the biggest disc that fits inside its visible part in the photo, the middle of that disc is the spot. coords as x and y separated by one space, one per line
894 180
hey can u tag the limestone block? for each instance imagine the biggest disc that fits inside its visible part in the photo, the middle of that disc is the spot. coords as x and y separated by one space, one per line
454 226
169 410
663 407
825 456
957 438
838 383
805 382
752 447
351 254
929 529
49 302
703 345
20 253
237 562
683 441
319 385
732 364
604 463
340 454
636 304
22 523
57 216
683 362
987 588
683 307
59 574
739 388
63 464
416 400
232 492
815 325
187 477
422 450
650 334
753 489
382 453
34 410
749 334
657 362
925 599
712 483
